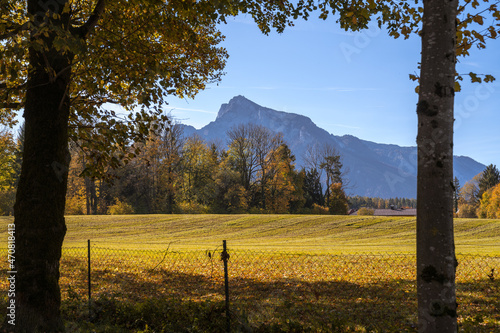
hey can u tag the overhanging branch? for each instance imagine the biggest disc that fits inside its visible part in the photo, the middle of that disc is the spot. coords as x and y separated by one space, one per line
83 30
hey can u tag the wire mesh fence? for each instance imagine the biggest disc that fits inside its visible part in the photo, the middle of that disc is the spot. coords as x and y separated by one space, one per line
274 291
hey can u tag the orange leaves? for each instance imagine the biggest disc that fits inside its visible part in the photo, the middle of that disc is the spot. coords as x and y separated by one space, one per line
490 203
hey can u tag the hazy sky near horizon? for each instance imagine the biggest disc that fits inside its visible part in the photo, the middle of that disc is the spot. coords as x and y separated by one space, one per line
347 83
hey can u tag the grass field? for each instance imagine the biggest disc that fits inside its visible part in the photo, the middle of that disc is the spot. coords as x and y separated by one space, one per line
288 273
271 232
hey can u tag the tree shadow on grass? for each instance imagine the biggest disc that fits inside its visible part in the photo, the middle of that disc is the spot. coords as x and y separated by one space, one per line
132 301
180 302
479 305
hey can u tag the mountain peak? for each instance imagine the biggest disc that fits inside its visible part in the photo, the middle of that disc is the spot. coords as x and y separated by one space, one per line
239 98
236 104
374 169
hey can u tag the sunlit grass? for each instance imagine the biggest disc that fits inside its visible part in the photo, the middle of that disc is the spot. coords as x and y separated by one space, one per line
270 291
288 273
273 232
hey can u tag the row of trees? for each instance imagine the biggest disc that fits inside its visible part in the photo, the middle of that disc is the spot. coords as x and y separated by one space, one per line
172 173
358 202
479 197
255 174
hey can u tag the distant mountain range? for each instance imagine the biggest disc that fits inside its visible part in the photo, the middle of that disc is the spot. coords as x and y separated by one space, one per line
374 169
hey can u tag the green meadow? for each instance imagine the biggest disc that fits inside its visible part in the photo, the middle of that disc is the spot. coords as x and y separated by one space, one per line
269 232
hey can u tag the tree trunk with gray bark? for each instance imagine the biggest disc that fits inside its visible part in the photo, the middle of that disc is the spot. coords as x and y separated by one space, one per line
436 261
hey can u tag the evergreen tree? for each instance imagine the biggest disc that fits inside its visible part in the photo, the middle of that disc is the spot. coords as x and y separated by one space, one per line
313 190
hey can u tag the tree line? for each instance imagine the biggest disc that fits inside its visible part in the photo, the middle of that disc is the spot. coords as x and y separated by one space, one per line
172 173
178 174
357 202
255 174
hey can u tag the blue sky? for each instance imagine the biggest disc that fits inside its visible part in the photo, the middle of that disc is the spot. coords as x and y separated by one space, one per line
347 83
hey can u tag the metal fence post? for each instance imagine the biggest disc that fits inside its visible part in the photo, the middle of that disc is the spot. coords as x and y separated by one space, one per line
89 280
225 258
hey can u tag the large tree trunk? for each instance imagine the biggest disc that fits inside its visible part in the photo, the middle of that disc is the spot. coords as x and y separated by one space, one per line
39 208
436 261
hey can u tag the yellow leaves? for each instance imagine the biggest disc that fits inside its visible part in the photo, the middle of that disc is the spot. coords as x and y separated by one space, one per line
490 203
67 8
373 292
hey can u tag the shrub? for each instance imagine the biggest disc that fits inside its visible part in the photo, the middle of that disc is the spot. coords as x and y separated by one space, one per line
120 208
75 206
191 208
7 199
257 210
113 314
319 210
365 211
467 211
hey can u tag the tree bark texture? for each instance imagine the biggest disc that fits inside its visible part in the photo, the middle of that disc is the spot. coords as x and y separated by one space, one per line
436 262
40 202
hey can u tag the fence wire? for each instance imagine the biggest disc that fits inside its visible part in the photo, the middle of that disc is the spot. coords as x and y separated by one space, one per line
282 291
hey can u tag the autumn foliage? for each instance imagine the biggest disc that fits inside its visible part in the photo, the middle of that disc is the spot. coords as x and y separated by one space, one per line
177 291
173 173
490 204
